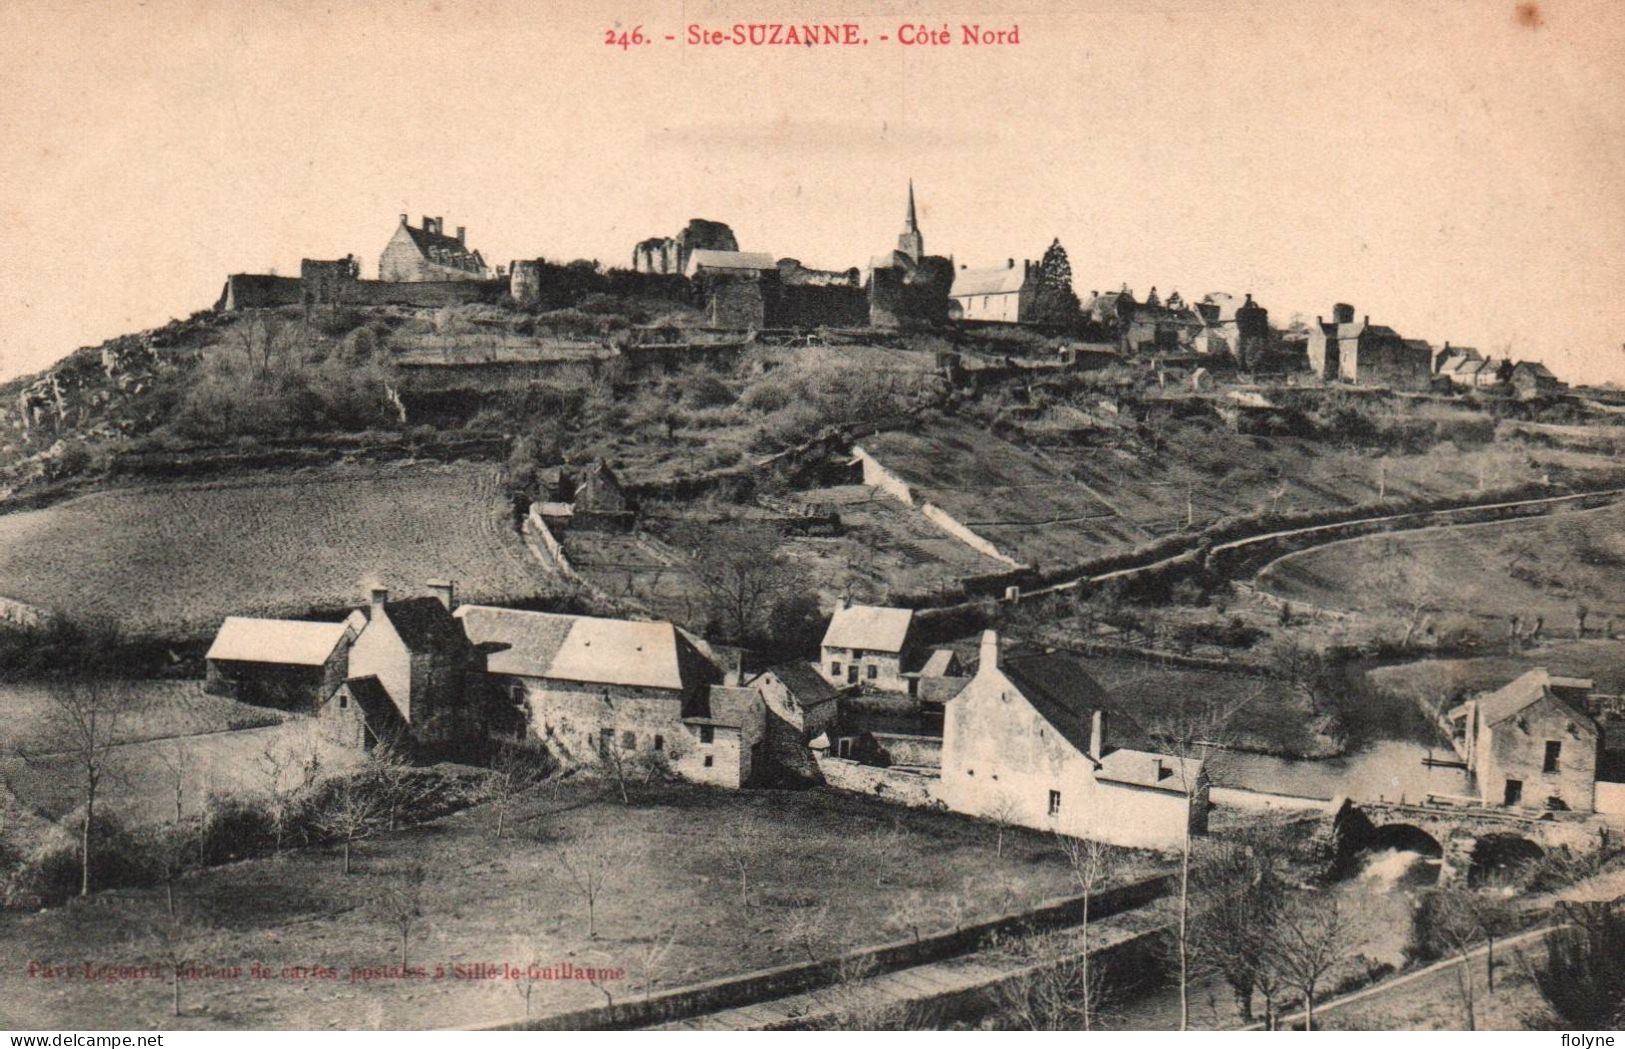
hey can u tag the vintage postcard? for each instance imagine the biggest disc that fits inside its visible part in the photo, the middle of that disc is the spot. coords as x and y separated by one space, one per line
728 515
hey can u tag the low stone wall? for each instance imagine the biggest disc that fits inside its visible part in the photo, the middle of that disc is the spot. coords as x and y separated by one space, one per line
877 476
1262 801
730 992
902 788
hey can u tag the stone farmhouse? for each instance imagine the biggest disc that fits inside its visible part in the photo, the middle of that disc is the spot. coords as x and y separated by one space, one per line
798 695
609 690
289 664
418 654
1531 743
1035 740
426 253
1532 379
869 646
1367 354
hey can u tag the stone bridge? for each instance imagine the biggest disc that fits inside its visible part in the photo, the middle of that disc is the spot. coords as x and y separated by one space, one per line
1470 842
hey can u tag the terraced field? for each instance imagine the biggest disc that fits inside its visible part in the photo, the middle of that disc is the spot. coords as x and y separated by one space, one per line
172 560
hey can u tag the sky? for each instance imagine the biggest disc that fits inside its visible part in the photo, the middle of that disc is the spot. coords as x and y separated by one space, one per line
1454 170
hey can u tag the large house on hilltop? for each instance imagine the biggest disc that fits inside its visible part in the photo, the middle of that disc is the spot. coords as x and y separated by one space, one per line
426 253
1531 743
1034 740
601 690
1357 351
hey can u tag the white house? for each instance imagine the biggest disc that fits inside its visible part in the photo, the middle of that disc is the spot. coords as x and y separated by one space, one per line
1035 740
1004 293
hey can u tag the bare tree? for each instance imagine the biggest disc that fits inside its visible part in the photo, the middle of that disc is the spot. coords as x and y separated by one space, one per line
1003 812
177 941
1409 584
653 953
178 849
87 711
515 771
352 813
1090 864
1240 897
278 762
1055 989
1313 935
395 778
743 572
401 904
586 862
1192 731
739 848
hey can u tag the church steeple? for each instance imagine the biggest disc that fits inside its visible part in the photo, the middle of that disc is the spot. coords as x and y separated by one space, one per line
910 242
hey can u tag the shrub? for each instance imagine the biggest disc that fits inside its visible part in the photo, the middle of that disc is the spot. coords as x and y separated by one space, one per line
52 874
705 391
235 827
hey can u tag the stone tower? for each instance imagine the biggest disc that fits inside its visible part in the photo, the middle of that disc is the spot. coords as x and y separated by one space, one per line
909 242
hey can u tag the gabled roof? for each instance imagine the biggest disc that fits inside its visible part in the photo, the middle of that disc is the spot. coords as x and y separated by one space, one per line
869 627
999 280
939 663
291 642
1063 691
726 707
708 258
425 625
426 242
807 685
1528 689
585 649
1535 368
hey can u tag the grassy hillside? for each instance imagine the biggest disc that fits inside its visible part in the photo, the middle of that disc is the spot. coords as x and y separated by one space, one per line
1541 567
173 560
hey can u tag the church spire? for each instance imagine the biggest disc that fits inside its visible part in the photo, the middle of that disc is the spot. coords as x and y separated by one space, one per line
910 242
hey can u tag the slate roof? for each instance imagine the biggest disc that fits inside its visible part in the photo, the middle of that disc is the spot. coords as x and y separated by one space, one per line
999 280
869 627
804 683
1529 688
426 241
425 625
725 707
291 642
940 689
1535 368
1063 691
585 649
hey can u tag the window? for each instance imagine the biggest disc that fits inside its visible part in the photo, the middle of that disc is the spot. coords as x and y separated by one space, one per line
1553 749
1514 792
707 734
835 669
606 742
874 672
660 742
709 760
344 699
843 748
629 741
1054 802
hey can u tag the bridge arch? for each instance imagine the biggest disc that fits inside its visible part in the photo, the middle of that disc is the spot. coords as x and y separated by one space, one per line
1501 857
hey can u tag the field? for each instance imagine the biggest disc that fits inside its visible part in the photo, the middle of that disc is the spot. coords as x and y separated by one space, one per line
172 560
1433 680
1068 504
824 873
1537 567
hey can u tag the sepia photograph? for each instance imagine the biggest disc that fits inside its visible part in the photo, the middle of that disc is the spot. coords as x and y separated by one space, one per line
797 515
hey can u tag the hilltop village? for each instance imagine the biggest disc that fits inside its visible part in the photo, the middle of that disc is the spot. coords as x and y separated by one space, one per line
762 624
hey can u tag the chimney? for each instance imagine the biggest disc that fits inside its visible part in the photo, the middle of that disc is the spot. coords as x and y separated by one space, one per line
990 651
380 594
445 591
403 218
428 223
461 234
1097 733
1009 264
1342 313
440 224
1366 320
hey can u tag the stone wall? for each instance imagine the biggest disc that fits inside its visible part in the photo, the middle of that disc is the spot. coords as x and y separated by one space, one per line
252 291
903 788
